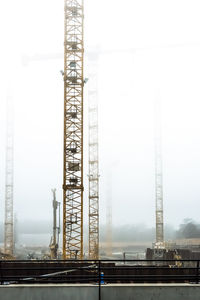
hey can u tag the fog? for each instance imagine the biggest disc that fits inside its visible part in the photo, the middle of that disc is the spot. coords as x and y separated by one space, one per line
153 49
31 233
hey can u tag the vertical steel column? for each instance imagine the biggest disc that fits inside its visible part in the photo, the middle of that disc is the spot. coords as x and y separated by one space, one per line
73 131
93 158
158 177
8 229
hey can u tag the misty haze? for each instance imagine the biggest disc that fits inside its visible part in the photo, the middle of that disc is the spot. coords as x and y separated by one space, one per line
100 143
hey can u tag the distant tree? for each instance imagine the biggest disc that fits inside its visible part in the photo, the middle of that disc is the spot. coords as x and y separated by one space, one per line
189 229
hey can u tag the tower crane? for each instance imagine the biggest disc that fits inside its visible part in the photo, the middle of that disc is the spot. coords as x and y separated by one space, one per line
8 228
158 178
109 214
93 157
73 131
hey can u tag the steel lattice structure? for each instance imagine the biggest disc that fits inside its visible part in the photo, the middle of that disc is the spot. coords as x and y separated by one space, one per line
73 131
158 177
93 159
109 213
8 228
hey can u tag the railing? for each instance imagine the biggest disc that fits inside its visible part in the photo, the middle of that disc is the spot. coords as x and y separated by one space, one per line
99 271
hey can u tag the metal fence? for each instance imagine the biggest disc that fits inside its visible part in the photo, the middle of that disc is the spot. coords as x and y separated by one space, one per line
99 272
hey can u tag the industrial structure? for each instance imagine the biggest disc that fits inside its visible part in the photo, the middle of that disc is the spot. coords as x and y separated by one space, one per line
73 131
158 178
54 244
8 228
93 158
109 214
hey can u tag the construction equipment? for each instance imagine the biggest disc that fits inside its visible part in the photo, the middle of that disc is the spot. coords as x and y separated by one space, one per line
109 192
158 178
73 131
109 214
54 243
15 231
8 228
93 158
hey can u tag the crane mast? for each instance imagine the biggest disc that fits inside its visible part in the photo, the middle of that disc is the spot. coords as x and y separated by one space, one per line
73 131
158 178
93 159
109 214
8 228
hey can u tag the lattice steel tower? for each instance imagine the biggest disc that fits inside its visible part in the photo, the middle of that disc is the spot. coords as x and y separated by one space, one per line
109 213
8 228
158 177
73 131
93 158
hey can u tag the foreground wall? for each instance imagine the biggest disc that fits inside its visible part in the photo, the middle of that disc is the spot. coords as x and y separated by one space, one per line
108 292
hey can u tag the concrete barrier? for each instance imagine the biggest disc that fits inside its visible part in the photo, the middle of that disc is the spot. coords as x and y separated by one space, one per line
108 292
151 292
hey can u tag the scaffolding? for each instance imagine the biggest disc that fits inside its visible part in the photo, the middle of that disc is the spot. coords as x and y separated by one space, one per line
73 131
93 159
8 228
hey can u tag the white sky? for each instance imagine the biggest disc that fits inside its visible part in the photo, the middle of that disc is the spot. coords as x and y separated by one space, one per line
166 37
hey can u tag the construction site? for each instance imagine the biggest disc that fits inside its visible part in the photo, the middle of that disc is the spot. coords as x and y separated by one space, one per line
85 236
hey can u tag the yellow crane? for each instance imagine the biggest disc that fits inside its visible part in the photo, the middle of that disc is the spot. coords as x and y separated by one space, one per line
73 131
